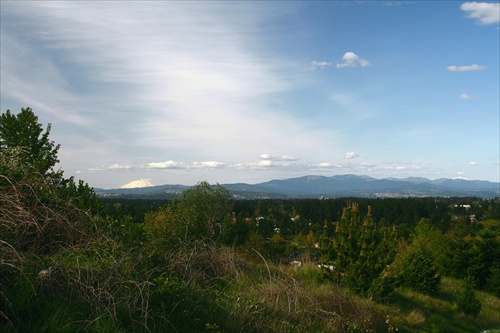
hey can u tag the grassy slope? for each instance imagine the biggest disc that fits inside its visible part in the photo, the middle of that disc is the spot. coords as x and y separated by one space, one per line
216 289
292 299
415 312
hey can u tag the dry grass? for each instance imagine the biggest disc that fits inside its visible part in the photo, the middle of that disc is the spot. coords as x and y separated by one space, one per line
278 302
33 224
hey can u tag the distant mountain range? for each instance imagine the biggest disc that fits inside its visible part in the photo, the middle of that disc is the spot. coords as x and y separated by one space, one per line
330 187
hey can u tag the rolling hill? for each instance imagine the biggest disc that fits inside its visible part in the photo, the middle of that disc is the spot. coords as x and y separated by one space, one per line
330 187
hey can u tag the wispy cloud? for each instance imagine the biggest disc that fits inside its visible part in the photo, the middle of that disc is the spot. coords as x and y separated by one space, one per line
466 68
483 12
267 157
320 64
329 165
178 91
208 164
400 167
192 76
351 59
264 162
465 96
112 167
165 165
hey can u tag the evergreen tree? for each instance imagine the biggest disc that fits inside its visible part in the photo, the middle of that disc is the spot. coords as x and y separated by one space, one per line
358 252
419 271
418 265
467 300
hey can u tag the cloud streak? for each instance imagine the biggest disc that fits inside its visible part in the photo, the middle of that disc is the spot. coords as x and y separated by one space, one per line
467 68
320 64
178 99
465 96
265 162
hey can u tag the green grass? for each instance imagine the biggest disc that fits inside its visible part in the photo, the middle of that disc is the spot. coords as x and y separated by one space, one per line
415 312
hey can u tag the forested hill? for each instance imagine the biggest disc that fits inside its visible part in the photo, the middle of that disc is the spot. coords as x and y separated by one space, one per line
336 186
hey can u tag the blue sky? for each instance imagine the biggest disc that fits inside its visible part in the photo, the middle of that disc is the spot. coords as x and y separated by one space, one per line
180 92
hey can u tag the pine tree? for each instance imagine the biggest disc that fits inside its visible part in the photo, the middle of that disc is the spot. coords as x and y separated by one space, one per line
420 272
358 252
467 300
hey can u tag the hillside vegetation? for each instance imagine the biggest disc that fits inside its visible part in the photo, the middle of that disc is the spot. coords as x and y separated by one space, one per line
70 262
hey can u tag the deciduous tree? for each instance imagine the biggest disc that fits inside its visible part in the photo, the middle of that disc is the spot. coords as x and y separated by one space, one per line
23 139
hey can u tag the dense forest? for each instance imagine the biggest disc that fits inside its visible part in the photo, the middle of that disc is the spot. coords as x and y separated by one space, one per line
204 262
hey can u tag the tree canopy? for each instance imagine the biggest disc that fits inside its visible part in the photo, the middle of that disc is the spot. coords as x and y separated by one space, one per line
23 140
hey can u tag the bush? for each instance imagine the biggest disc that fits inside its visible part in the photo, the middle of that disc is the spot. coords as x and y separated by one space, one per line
420 272
467 300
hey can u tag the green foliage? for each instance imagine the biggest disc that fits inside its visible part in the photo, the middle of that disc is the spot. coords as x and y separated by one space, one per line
358 253
493 280
203 213
430 238
467 300
28 178
419 272
418 264
207 207
163 224
174 291
237 232
476 254
22 139
41 213
275 248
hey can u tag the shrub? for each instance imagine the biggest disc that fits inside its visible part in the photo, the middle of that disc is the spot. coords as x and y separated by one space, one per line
467 300
419 272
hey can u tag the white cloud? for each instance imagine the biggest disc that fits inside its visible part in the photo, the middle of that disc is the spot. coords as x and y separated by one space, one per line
351 155
164 165
365 165
465 96
112 167
277 158
351 59
265 163
472 163
401 167
265 157
208 164
329 165
466 68
483 12
460 174
320 64
118 166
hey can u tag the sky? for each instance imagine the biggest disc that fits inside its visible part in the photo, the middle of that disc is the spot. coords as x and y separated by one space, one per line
178 92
